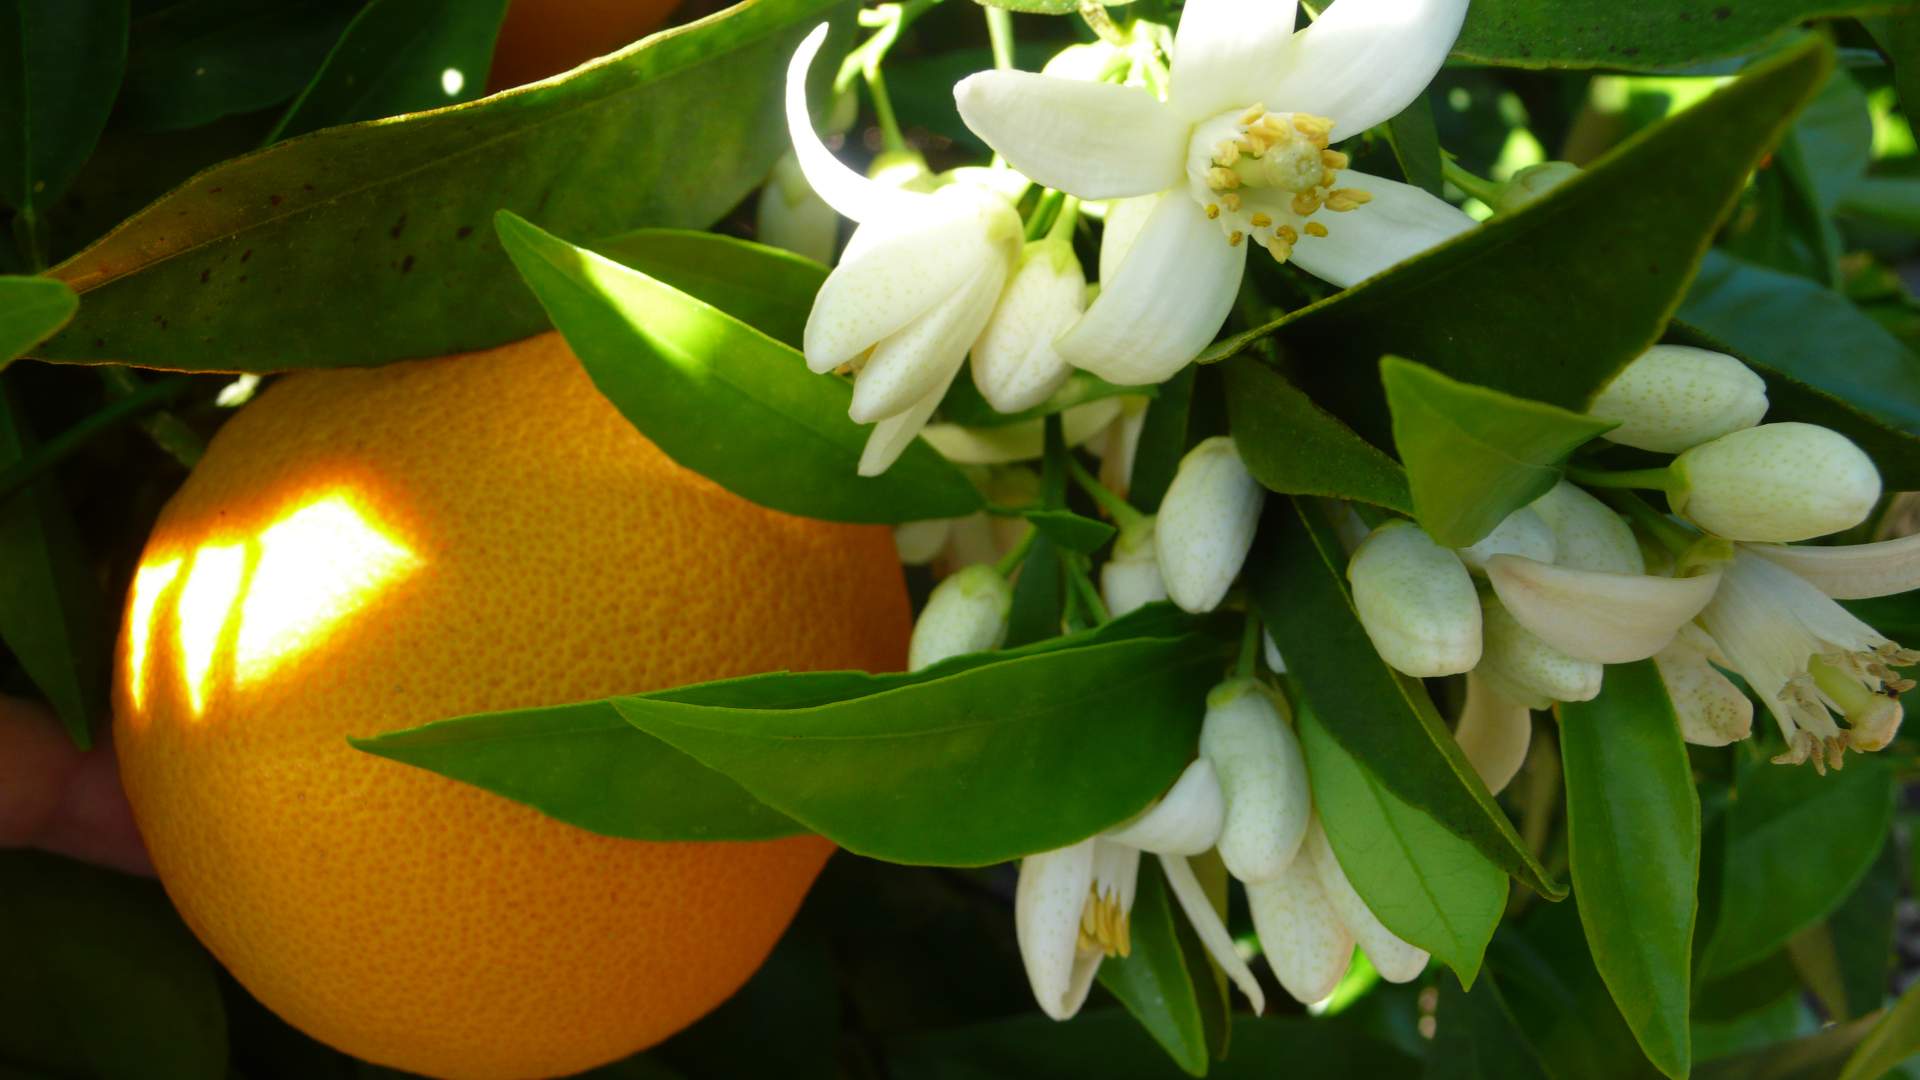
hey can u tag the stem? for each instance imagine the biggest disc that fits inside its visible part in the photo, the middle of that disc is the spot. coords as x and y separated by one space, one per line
166 430
26 232
57 449
1065 220
890 136
1090 596
1044 212
1117 508
889 20
1000 36
1249 647
1011 560
1660 479
1097 20
1671 535
1477 186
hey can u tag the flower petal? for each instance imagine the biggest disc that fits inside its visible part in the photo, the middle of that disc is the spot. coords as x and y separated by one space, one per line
1186 821
1852 571
1400 222
1047 906
891 437
922 356
1168 299
1494 733
1363 61
1521 663
1595 615
1223 52
1586 534
1396 960
1210 929
1023 441
1094 140
890 275
853 195
1712 711
1306 944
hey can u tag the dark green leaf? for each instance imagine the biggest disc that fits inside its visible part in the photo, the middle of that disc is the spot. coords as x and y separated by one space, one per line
722 398
1297 580
371 243
1475 455
399 56
1154 982
1642 37
784 1022
1293 446
1892 200
1825 361
31 308
964 405
1043 7
1163 441
102 978
1899 38
765 287
1043 749
1071 531
1797 845
60 67
199 60
1427 885
1039 594
1894 1038
1862 931
1558 1000
1633 830
1417 146
1550 302
1819 1056
1476 1037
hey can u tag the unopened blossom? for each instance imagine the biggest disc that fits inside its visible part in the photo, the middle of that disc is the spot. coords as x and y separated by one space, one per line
1523 532
1206 524
1121 445
1776 482
1530 184
913 290
966 613
920 542
1015 365
1673 398
1240 155
1586 534
1493 732
791 215
1393 958
1523 668
1301 935
1263 777
1130 578
1416 601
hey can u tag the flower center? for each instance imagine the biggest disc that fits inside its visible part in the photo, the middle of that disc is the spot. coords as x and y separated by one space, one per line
1262 175
1863 687
1104 924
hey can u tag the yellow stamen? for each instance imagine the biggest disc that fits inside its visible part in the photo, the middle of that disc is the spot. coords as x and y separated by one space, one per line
1231 202
1285 232
1345 199
1213 212
1220 179
1234 238
1314 228
1305 203
1261 221
1226 153
1252 114
1280 249
1334 159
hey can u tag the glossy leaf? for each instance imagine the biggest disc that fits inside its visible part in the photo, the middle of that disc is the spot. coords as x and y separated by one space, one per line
1776 878
1479 1039
1163 441
31 309
722 398
391 222
1894 1038
765 287
1039 594
1427 885
1297 582
1862 932
399 56
1819 1056
1825 361
1559 1000
1153 982
1643 37
1046 749
103 980
199 60
1475 455
1633 833
1416 145
1071 531
1042 7
60 67
1293 446
1549 302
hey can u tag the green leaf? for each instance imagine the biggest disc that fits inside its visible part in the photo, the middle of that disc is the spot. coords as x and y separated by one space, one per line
1636 37
102 978
1825 361
1293 446
1416 145
722 398
1559 1001
1899 38
1633 831
1044 7
60 66
1891 200
399 56
1071 531
1044 749
1475 455
1153 982
1797 845
1894 1038
1297 582
345 247
1549 302
31 309
1819 1056
1427 885
1163 441
1862 931
200 60
765 287
963 404
1479 1039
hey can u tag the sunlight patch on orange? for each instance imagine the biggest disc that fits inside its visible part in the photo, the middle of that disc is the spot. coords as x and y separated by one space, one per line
148 583
212 585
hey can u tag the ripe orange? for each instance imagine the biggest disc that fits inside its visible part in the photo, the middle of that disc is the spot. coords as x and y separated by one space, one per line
539 38
365 550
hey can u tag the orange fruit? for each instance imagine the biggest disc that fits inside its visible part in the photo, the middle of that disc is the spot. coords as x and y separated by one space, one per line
365 550
539 38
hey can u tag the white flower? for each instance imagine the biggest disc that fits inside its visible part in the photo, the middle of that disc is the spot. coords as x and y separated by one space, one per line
913 290
1493 733
1023 440
1416 601
1775 482
1396 960
1014 362
920 542
1263 777
1587 535
1523 532
966 613
1805 656
1206 524
791 216
1130 579
1240 148
1523 668
1122 443
1673 398
1712 711
1305 943
1597 615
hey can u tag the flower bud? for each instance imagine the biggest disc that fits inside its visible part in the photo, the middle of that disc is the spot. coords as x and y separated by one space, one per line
790 215
1014 364
1206 525
1526 669
1778 482
1306 944
1121 444
919 542
1131 577
1674 398
1523 532
1396 960
1530 183
1263 779
1493 733
1586 534
966 613
1416 601
1268 648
